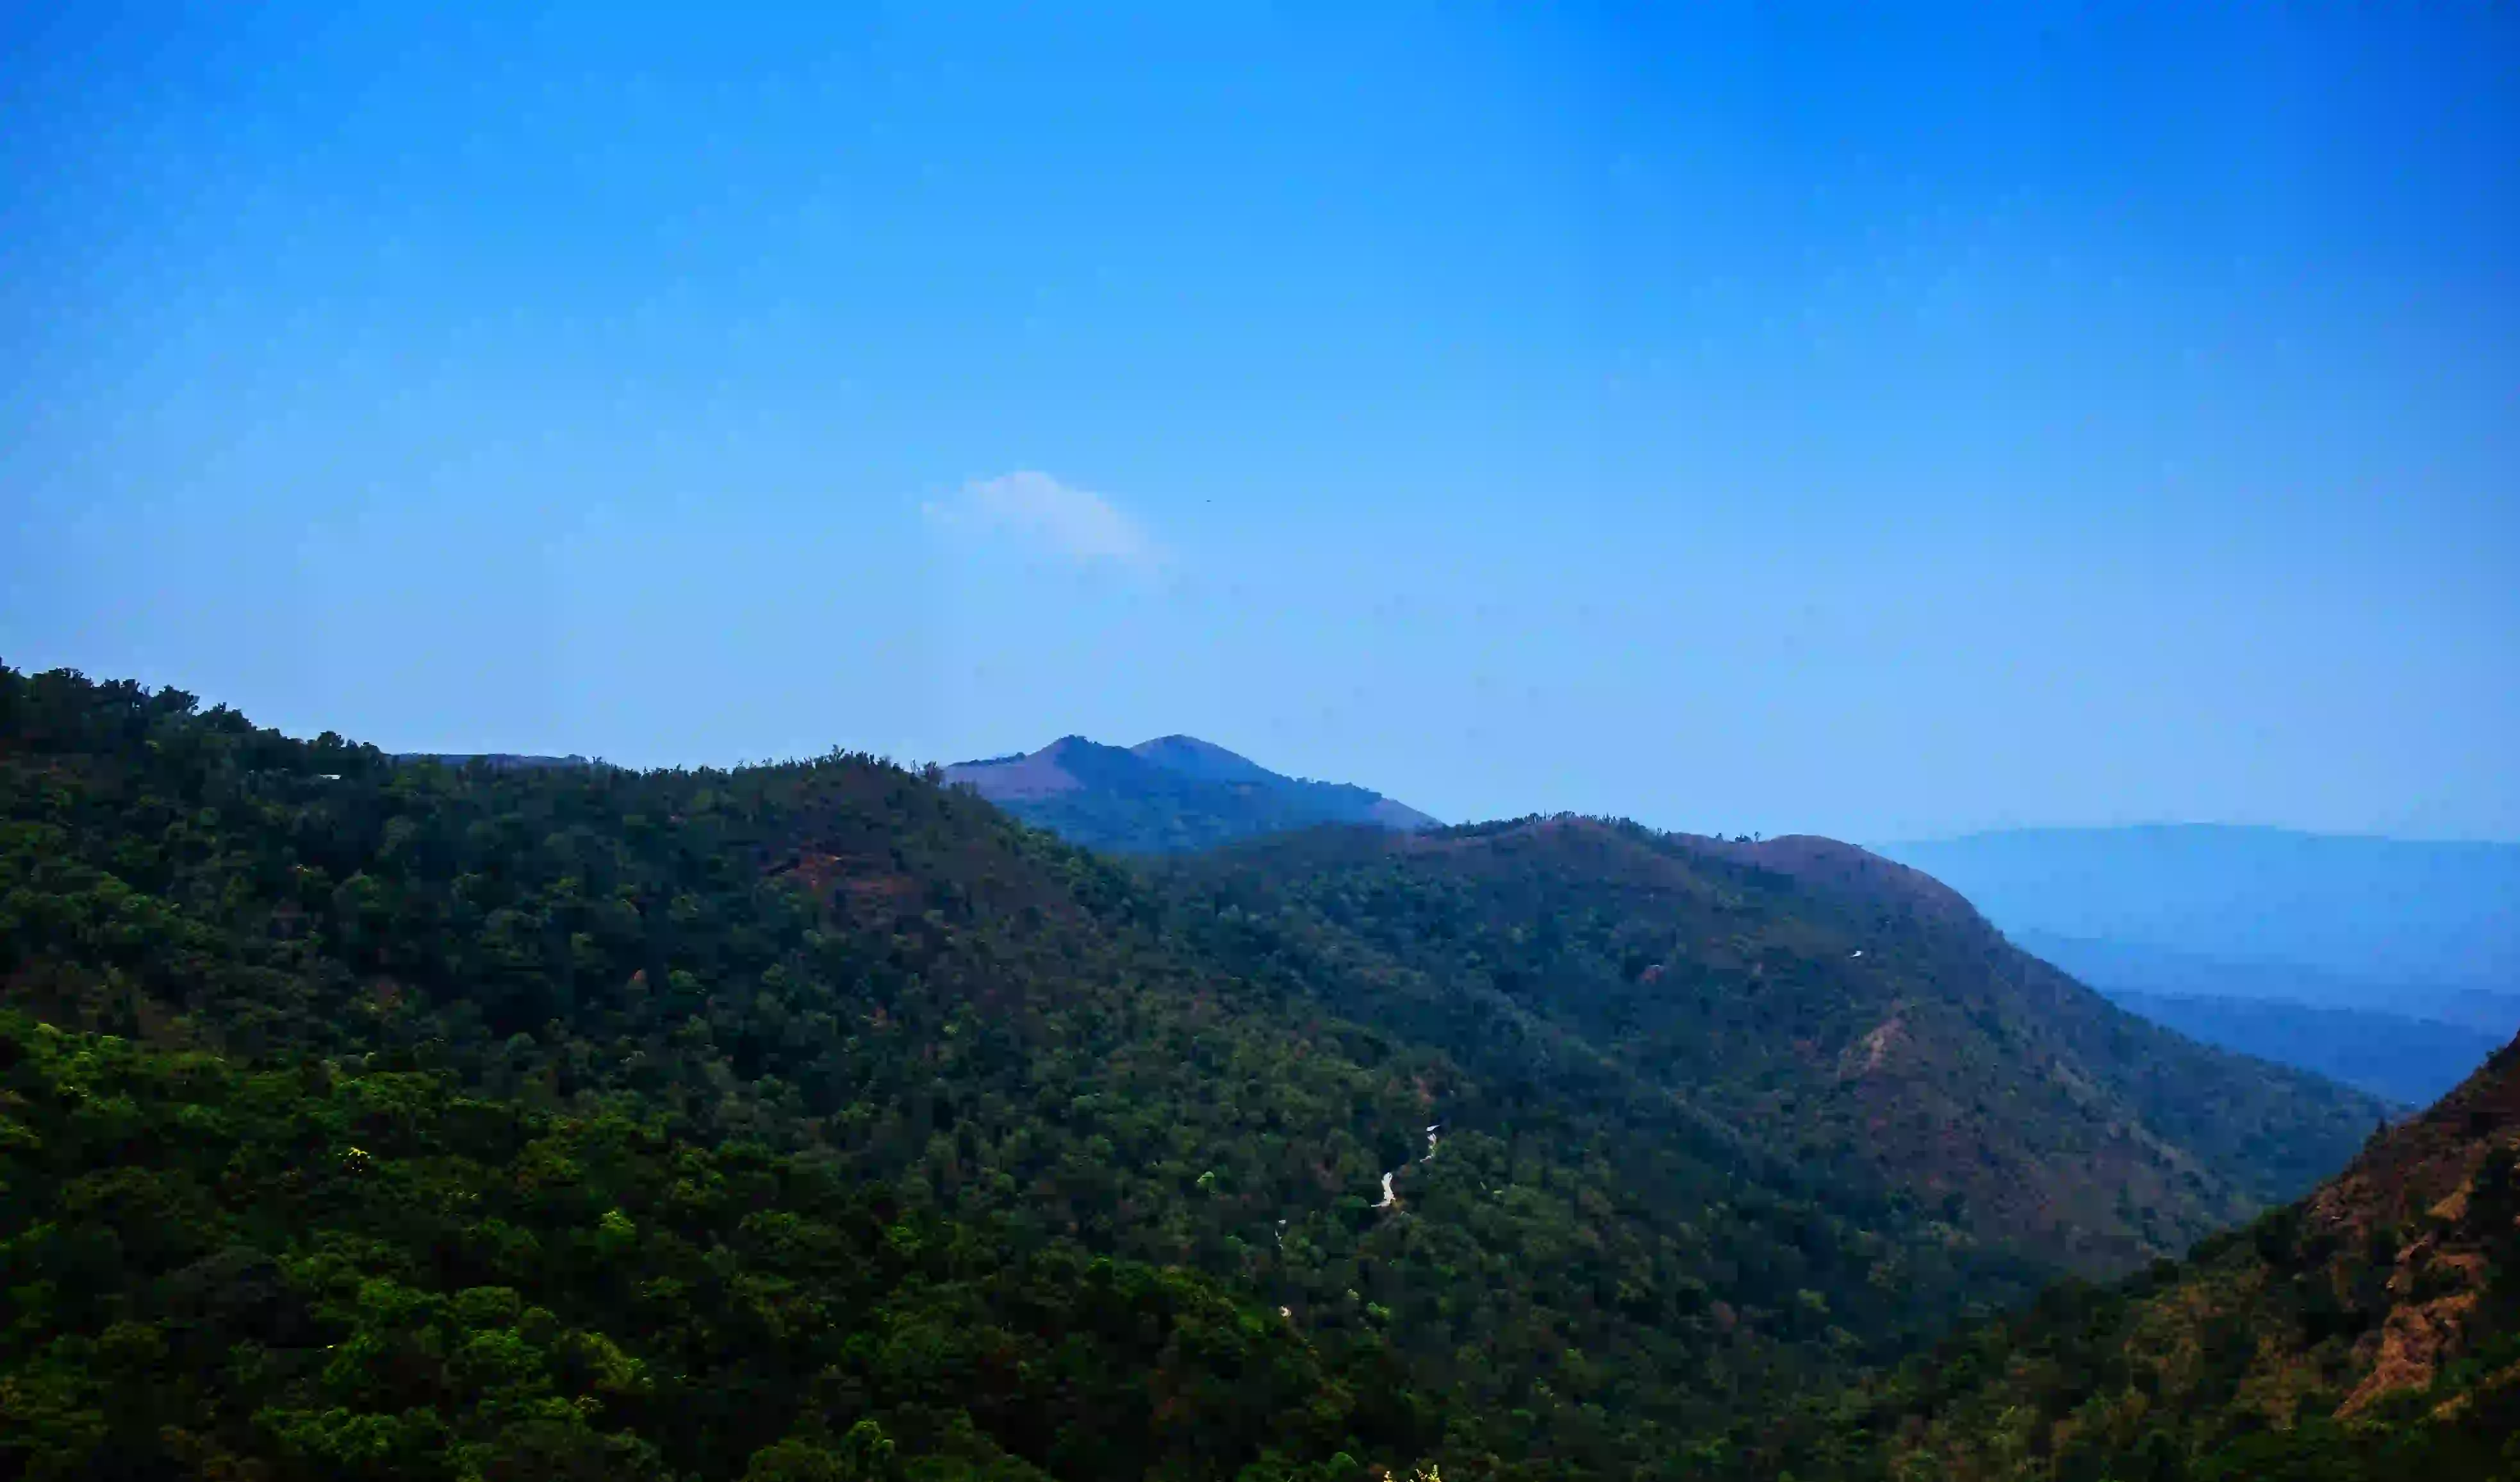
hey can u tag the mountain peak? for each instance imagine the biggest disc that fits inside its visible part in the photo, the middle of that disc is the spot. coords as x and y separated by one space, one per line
1205 760
1172 792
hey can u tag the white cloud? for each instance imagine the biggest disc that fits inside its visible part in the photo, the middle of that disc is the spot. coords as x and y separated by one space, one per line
1036 508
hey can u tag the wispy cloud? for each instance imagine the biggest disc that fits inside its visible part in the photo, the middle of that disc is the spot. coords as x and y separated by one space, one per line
1037 509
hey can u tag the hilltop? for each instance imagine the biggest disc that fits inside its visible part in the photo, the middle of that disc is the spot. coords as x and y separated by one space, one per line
1175 793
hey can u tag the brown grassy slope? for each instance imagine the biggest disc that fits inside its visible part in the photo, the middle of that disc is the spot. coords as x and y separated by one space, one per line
2416 1189
2370 1330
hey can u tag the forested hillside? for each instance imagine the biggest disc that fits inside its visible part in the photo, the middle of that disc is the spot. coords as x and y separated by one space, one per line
2370 1331
1829 1005
857 968
384 1036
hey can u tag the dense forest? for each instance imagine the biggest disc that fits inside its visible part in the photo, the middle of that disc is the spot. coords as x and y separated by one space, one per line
818 1120
319 1271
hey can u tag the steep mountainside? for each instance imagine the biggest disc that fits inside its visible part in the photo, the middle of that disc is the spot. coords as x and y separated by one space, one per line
1816 1001
1176 792
2370 1331
478 979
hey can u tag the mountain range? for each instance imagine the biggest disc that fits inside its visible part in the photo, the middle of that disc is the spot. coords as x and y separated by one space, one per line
823 1120
2120 967
2411 1061
1172 793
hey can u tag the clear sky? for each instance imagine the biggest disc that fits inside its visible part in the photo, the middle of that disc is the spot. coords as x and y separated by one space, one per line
1774 419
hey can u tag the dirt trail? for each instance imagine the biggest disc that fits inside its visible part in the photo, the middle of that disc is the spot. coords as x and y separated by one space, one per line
1390 1198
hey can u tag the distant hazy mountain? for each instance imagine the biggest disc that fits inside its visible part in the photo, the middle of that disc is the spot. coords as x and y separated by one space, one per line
1173 793
2389 965
2413 1061
2371 918
2119 968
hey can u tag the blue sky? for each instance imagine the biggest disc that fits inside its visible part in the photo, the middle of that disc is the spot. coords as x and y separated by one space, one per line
1876 420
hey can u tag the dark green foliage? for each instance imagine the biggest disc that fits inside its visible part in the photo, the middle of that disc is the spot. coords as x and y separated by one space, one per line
339 1274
